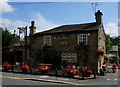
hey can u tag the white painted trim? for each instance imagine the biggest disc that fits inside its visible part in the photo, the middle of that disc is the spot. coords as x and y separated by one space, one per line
50 40
86 38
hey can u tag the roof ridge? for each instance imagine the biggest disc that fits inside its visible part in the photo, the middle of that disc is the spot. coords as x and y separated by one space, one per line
72 27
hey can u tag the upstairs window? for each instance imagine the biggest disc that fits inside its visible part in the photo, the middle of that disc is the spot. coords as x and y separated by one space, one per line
82 39
47 40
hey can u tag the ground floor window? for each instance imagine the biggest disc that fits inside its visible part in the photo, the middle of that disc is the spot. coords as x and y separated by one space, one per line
72 58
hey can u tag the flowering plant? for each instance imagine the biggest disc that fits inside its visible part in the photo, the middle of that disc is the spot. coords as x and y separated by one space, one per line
100 51
43 68
25 66
6 67
87 71
72 70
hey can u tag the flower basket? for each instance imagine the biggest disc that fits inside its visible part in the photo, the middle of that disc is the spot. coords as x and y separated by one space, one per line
71 72
43 69
24 68
100 52
6 67
87 72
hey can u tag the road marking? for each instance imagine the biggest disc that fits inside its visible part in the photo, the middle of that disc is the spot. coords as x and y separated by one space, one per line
63 79
108 79
113 79
44 76
54 81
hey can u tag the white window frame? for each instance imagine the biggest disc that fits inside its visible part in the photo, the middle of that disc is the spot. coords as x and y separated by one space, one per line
64 57
74 55
82 38
69 57
74 58
48 44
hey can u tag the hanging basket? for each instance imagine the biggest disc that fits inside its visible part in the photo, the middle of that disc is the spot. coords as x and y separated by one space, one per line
100 52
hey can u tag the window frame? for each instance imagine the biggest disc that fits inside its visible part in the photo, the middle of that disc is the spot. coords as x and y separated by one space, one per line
48 44
74 58
82 38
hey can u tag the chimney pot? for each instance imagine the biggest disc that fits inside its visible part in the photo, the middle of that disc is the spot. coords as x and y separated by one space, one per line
32 28
98 17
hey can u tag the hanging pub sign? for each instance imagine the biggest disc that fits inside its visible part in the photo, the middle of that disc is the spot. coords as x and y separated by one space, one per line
21 34
22 39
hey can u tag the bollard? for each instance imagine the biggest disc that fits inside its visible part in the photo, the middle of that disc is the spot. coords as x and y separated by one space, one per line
94 74
55 71
83 75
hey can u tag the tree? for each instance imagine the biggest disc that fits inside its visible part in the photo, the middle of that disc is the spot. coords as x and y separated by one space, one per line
83 53
51 56
114 40
108 43
7 38
47 55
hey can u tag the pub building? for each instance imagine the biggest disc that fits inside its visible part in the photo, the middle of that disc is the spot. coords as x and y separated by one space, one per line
68 39
77 43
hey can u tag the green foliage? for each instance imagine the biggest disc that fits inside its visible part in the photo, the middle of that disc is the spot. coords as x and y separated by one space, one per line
7 38
48 55
108 43
114 40
51 56
83 52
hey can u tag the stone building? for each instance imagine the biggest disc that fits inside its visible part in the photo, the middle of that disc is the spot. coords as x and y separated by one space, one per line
77 43
68 39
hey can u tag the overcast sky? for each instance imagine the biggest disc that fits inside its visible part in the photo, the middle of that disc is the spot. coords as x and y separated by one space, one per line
52 14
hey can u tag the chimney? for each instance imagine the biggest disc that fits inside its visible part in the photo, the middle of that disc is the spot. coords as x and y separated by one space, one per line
98 17
14 33
32 28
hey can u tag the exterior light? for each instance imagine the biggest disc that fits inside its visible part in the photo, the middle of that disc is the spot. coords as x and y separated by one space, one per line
88 34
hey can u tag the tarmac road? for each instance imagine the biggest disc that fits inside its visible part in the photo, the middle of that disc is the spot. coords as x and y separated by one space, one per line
27 79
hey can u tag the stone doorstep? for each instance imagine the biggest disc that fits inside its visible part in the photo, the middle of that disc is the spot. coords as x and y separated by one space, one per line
91 77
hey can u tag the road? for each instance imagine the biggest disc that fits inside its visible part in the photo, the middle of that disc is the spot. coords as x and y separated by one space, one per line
23 79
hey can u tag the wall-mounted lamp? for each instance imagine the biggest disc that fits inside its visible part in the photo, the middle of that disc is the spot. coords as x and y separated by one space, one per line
88 34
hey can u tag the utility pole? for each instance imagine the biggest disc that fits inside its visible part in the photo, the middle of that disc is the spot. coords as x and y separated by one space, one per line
26 44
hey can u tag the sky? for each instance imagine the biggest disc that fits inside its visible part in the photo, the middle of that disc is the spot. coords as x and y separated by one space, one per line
48 15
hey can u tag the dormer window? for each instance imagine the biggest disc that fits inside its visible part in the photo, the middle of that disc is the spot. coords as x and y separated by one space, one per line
47 40
82 39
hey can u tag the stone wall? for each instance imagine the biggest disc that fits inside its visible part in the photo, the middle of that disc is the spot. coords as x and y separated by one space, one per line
66 42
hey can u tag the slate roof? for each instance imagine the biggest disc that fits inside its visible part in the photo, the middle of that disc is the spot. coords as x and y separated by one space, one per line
72 28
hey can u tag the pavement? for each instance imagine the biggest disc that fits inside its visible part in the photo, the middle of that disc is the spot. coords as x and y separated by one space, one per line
43 78
109 79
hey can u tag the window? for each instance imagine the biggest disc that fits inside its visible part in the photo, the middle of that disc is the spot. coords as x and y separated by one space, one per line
74 58
82 38
64 57
69 57
74 55
47 40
